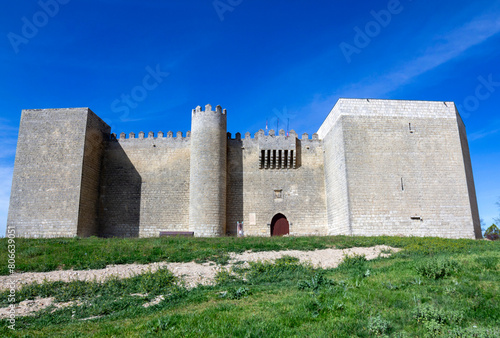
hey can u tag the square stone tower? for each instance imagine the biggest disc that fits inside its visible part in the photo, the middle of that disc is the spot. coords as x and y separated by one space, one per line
55 186
395 167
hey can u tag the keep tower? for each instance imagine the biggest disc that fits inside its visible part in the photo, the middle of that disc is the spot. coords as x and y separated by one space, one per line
208 172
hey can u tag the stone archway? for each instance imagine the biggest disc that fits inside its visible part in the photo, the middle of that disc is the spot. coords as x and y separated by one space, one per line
279 225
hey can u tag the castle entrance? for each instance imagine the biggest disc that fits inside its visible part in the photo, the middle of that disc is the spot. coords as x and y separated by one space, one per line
279 225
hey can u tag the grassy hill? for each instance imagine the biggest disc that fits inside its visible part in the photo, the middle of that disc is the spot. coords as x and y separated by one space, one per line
433 287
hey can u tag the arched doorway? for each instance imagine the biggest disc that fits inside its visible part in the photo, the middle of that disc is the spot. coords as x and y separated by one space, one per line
279 225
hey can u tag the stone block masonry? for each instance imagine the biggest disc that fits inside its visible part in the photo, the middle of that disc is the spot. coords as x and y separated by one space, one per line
208 172
406 169
56 173
145 185
256 193
375 167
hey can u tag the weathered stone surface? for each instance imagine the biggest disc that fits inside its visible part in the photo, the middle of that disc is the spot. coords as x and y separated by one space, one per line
375 167
252 190
408 169
208 172
56 173
145 187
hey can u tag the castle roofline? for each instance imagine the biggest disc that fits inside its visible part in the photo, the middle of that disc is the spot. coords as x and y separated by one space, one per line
357 99
52 109
387 108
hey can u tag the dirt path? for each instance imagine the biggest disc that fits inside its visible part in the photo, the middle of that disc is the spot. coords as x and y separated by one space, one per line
192 274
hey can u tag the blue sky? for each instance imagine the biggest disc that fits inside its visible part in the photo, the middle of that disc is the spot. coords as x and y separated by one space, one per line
262 60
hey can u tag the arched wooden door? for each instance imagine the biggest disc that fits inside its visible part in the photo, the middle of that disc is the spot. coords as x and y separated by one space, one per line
279 225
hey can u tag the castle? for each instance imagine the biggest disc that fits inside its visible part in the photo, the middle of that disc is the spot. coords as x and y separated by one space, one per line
374 167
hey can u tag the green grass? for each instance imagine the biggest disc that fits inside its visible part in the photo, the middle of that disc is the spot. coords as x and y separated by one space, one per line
433 287
95 253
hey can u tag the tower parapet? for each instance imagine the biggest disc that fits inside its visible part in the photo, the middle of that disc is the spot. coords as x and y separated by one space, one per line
207 190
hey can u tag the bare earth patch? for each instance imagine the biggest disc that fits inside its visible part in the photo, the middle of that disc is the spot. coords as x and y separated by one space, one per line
324 258
192 274
30 307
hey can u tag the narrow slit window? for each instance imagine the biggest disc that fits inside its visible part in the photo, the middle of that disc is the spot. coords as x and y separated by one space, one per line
277 159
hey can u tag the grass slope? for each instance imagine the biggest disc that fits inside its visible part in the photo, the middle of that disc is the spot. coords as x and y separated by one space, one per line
95 253
433 287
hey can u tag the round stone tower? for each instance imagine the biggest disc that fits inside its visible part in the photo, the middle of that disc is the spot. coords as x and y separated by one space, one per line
207 188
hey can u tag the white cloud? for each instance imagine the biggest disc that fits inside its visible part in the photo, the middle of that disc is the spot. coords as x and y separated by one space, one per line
481 134
5 185
8 140
443 48
8 149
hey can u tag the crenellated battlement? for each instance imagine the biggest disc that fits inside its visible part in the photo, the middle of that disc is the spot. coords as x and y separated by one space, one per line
277 150
160 135
208 109
272 134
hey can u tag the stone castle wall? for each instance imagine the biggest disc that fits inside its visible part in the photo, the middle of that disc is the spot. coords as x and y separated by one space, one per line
145 185
97 132
52 186
470 178
336 189
405 168
375 167
257 193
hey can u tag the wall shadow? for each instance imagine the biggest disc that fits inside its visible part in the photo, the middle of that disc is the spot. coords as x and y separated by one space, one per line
298 163
234 195
120 194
